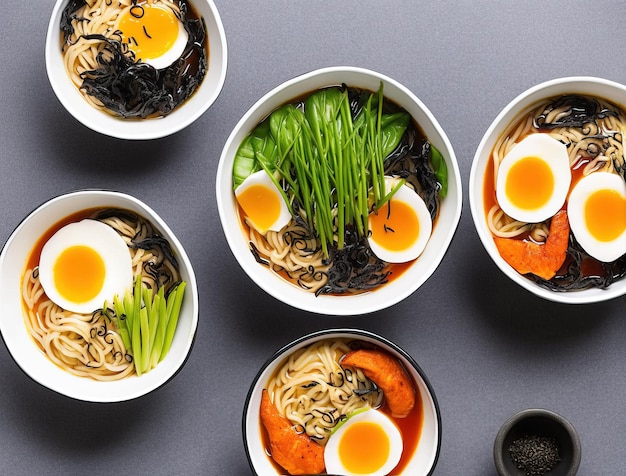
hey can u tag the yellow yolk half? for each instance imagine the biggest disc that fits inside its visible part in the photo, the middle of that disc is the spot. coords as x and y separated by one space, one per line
153 33
533 179
79 273
368 442
605 214
530 183
262 203
364 448
596 210
395 226
401 228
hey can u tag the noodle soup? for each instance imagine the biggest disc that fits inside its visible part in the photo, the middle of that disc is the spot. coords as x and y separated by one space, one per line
593 132
141 74
134 58
74 276
321 391
341 258
363 186
91 344
548 190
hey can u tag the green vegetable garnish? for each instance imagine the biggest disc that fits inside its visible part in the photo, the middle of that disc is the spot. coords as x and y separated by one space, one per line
441 170
332 161
147 322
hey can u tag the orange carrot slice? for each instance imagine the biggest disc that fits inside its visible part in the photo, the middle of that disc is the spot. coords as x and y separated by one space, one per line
542 260
388 374
295 452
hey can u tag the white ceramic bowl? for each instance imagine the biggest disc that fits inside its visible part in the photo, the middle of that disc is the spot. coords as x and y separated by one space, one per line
443 232
424 459
140 129
21 345
523 103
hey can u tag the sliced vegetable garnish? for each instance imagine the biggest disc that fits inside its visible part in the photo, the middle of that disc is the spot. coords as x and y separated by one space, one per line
330 155
147 322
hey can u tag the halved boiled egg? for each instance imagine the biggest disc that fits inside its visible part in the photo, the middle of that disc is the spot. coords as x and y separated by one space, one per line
367 443
597 214
401 228
83 264
262 202
153 33
533 179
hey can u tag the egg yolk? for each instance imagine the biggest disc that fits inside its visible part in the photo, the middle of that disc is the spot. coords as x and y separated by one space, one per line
149 30
530 183
605 215
364 448
395 226
261 204
79 273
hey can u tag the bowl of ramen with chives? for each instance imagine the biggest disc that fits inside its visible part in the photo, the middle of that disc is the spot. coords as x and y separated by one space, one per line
339 192
342 401
136 69
99 299
548 190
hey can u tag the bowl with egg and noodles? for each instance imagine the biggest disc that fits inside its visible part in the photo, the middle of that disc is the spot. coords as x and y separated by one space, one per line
358 371
106 82
294 263
57 347
563 140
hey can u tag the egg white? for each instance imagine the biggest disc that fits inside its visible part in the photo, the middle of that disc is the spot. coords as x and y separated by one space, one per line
554 154
606 251
332 459
107 243
262 178
407 195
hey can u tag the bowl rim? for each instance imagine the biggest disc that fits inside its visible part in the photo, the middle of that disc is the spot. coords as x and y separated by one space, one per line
589 85
359 304
346 331
192 287
498 449
133 129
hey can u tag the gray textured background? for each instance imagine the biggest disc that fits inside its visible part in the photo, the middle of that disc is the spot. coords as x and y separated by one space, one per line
489 348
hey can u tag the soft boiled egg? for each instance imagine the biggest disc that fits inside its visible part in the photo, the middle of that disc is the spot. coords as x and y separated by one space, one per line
262 202
153 33
368 443
597 214
401 228
533 179
83 264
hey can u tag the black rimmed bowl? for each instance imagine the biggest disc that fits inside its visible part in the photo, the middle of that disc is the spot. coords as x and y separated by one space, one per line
426 454
527 442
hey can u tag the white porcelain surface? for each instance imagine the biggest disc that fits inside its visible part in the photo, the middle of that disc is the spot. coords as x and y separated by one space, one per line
443 231
140 129
22 346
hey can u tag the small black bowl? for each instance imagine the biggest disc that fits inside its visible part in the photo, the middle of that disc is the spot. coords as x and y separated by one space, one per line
534 432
